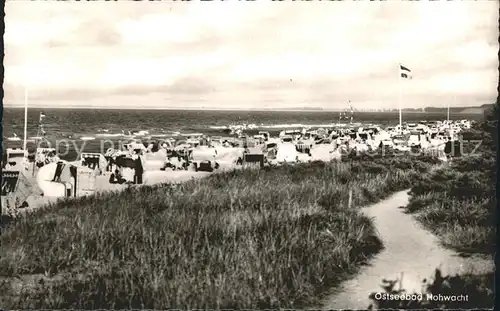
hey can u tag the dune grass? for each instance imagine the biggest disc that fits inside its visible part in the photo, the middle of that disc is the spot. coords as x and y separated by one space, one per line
458 202
242 239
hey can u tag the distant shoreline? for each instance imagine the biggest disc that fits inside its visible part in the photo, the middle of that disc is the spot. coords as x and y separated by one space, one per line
453 110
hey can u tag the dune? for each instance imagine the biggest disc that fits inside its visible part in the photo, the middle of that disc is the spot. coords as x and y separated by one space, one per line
159 177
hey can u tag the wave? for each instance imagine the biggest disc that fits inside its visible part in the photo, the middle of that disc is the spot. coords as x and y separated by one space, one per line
109 135
159 135
296 125
288 125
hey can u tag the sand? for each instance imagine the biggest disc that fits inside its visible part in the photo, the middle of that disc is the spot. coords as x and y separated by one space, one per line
102 184
226 157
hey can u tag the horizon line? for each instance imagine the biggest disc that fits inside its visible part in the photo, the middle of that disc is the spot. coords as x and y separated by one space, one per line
235 109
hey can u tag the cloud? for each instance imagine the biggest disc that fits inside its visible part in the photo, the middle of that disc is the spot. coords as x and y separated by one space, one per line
89 32
222 53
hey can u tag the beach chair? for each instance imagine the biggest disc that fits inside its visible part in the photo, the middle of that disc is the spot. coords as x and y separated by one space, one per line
253 160
9 182
272 153
15 189
69 188
94 160
74 174
109 166
203 166
303 147
86 180
59 169
453 148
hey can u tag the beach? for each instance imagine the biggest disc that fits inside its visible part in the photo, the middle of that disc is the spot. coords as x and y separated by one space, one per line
65 127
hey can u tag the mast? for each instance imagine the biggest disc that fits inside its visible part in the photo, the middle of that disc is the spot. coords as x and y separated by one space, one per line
399 99
25 117
39 131
448 113
351 111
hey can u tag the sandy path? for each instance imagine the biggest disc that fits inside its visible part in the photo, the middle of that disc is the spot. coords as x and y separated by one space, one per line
409 249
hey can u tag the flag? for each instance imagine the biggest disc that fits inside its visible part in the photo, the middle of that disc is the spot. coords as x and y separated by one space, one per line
404 72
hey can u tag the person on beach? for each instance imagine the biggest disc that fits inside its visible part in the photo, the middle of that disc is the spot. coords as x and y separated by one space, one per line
4 160
51 157
239 161
116 178
54 156
139 170
112 177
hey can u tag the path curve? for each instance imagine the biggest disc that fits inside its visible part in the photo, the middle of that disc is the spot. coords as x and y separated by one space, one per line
409 249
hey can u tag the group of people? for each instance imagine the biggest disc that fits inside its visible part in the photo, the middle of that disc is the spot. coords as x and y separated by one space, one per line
122 162
45 157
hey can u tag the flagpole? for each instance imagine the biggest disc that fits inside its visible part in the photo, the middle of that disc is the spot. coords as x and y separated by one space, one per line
25 116
400 98
448 113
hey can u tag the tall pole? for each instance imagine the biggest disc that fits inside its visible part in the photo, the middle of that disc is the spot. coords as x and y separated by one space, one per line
25 117
400 98
448 113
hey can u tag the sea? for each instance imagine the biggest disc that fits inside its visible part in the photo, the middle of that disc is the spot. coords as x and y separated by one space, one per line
65 127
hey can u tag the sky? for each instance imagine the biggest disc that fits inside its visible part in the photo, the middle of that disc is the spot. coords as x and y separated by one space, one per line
250 55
